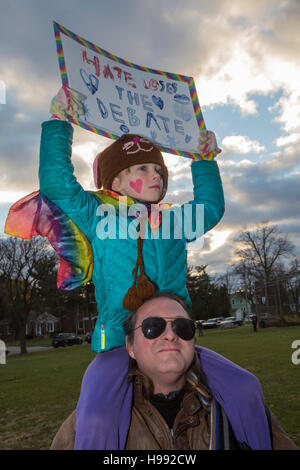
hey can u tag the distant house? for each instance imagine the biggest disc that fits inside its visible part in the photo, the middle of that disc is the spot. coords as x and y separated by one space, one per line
87 324
240 305
42 324
45 324
6 333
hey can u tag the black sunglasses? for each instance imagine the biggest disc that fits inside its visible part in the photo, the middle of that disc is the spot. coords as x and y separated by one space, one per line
153 327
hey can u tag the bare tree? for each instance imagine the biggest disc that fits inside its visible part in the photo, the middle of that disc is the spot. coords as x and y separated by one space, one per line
228 279
260 252
19 279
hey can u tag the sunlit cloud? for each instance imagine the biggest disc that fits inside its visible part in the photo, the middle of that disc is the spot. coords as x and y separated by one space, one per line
30 91
86 151
11 196
256 60
287 140
241 144
215 239
218 238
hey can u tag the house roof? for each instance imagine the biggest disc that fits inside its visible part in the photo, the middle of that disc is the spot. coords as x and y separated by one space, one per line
45 316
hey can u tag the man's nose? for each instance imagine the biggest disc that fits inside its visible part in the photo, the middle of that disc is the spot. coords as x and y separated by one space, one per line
169 332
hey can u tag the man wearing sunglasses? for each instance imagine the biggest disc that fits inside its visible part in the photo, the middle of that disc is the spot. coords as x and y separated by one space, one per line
185 397
174 406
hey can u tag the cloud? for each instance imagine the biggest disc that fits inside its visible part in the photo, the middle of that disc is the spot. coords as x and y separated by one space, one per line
288 139
237 52
241 144
18 151
258 59
288 107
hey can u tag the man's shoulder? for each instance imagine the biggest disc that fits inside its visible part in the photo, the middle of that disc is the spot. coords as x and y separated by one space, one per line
220 371
65 436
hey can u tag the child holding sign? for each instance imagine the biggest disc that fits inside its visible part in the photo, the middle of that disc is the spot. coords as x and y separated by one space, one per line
130 259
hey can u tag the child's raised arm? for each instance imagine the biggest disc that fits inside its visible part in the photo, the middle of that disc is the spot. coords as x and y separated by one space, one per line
207 184
207 191
57 181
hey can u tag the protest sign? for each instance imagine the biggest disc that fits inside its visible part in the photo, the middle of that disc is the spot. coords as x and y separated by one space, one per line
122 97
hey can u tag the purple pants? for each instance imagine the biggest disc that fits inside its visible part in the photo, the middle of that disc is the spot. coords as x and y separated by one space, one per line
105 403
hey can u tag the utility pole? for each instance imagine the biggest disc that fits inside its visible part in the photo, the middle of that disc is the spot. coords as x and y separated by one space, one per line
279 299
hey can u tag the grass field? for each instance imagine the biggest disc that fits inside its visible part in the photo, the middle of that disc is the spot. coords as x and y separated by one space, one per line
39 390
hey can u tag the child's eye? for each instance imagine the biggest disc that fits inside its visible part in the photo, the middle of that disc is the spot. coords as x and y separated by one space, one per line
143 168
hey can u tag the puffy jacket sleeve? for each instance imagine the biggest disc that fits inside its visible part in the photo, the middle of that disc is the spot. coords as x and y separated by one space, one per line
207 207
57 181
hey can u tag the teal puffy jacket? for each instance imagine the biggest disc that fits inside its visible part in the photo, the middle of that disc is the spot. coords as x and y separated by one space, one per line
114 259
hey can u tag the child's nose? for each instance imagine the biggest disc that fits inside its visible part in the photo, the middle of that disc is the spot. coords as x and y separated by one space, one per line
155 175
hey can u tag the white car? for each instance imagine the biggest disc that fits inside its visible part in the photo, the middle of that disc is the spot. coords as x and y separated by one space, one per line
230 322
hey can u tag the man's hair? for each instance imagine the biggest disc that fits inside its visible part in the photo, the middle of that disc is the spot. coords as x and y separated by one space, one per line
130 322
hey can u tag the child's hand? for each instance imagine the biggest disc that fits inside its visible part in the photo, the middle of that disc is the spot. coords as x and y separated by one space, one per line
208 143
67 101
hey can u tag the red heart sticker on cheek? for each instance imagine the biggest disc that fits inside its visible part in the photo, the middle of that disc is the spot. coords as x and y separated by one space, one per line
136 185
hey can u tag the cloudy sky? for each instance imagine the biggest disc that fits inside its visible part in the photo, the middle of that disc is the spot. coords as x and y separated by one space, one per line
245 58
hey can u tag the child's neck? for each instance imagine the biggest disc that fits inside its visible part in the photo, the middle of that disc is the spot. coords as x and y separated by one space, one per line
147 203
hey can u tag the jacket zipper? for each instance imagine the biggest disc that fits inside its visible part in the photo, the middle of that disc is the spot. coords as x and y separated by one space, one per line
102 337
172 435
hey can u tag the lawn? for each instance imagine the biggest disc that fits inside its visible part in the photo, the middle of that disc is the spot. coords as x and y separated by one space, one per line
267 354
39 390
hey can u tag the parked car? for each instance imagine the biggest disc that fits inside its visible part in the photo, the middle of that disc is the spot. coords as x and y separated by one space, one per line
210 323
219 319
229 322
65 339
88 337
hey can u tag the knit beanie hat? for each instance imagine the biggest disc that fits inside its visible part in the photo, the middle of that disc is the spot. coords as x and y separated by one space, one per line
128 150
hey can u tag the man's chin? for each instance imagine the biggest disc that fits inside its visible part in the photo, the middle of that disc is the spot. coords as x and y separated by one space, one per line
171 362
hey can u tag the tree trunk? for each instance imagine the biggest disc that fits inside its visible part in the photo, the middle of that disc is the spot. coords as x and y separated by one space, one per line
22 338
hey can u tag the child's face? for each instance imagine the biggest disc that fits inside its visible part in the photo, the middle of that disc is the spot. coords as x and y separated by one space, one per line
143 182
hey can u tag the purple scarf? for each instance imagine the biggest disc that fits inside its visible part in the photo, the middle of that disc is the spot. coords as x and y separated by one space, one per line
103 411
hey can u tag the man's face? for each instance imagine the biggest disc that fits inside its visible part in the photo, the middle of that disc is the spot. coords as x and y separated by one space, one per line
164 359
143 182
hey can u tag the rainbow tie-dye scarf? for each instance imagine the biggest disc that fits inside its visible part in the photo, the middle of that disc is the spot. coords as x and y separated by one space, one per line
36 215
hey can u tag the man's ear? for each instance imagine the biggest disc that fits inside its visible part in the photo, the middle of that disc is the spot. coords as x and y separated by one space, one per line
129 348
